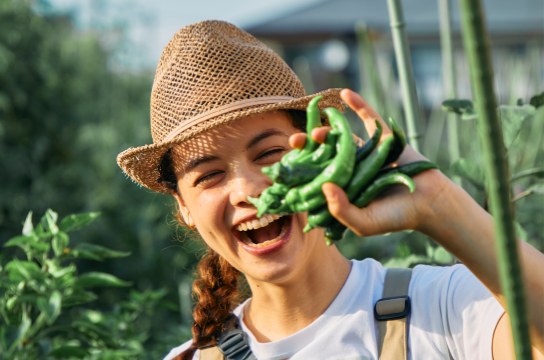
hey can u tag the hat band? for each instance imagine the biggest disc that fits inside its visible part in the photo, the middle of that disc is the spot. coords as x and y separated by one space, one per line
223 110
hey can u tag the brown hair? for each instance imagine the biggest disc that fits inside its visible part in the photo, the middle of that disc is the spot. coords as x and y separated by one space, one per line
216 285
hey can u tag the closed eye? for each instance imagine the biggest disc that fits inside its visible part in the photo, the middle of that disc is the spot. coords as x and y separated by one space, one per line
207 177
266 155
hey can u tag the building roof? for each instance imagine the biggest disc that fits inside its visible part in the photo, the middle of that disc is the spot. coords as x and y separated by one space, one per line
339 17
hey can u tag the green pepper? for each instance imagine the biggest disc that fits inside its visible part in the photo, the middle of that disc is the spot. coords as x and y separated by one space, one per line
323 218
370 145
399 144
336 229
364 173
310 196
380 184
411 169
334 232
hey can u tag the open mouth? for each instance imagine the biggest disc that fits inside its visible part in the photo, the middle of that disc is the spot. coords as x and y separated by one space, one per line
267 230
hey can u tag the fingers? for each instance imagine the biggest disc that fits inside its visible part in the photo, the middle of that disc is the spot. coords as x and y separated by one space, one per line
340 207
297 141
365 112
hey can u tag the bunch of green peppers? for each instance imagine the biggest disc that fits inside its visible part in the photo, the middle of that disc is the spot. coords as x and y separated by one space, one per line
299 175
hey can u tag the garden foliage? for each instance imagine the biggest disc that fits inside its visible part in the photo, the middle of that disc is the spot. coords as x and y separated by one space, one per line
43 298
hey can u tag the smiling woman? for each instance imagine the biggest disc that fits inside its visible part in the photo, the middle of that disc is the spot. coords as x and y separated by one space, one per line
223 107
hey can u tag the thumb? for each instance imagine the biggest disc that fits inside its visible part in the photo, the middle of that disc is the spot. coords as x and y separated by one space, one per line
336 197
339 205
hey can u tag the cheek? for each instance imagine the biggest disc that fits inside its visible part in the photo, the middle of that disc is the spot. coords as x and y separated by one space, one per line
208 212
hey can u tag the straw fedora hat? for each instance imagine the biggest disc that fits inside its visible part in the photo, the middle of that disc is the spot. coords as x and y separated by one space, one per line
210 74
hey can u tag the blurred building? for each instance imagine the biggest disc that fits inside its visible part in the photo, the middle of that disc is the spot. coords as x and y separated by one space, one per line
320 43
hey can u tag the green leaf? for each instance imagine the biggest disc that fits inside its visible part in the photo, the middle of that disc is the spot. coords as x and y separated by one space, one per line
30 245
57 270
79 254
537 100
116 354
512 118
93 279
94 331
538 172
50 307
20 333
60 242
49 221
24 270
78 297
469 171
20 241
101 251
403 251
75 222
66 352
533 189
459 106
520 231
28 228
442 256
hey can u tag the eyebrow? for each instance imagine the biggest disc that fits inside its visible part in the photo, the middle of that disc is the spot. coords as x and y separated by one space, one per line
192 164
265 134
199 161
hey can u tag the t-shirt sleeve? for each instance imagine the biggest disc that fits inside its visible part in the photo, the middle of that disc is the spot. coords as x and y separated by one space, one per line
178 350
453 314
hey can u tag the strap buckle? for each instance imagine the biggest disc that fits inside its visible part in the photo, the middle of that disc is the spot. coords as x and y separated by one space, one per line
392 308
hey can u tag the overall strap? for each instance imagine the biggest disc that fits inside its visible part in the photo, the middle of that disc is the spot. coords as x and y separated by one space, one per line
392 312
232 344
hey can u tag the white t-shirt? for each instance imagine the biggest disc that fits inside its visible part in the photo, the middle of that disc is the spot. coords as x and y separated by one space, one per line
453 317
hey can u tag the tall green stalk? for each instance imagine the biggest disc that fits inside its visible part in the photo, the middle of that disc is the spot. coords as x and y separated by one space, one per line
406 73
371 85
448 78
476 43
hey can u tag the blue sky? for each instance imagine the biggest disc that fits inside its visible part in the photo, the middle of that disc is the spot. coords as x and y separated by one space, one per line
151 24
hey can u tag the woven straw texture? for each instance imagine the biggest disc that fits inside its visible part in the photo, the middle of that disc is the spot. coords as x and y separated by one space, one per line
205 66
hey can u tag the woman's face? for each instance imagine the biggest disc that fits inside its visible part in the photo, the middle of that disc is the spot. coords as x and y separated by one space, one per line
216 173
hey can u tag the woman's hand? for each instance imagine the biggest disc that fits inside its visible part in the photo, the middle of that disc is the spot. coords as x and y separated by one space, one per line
398 209
447 214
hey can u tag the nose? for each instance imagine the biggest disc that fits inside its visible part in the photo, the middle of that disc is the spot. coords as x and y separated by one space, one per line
248 183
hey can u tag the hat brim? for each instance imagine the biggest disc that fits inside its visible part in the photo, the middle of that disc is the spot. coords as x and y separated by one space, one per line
141 164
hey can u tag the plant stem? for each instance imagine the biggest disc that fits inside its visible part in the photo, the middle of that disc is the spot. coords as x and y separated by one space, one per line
448 78
371 85
476 43
406 73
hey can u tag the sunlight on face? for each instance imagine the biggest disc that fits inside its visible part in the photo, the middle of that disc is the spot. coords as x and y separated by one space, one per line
216 173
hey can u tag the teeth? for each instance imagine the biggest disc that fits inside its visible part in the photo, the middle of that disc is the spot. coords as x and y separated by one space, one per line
257 224
247 240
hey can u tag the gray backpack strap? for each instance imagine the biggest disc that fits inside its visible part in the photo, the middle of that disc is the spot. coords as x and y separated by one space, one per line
232 344
392 312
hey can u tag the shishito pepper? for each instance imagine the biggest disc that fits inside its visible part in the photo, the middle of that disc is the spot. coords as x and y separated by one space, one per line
300 174
364 172
336 230
309 196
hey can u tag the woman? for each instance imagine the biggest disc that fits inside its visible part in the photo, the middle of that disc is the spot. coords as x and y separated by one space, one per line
223 106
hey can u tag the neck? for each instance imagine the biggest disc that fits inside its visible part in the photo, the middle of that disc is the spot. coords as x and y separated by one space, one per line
278 310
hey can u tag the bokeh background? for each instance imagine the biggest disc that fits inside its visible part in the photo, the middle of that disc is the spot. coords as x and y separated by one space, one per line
75 83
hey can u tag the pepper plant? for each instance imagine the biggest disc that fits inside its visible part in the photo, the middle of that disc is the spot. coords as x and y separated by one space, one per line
513 118
36 290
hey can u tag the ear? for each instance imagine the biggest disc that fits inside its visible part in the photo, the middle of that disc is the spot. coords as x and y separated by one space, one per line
184 210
